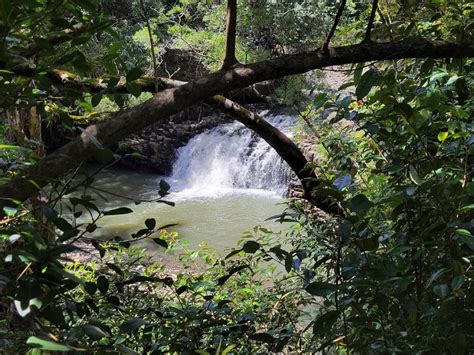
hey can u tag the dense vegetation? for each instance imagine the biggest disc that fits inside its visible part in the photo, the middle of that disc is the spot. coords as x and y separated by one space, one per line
379 256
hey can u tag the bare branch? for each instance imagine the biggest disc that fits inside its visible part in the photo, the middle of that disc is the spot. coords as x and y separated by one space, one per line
152 44
230 59
325 47
368 32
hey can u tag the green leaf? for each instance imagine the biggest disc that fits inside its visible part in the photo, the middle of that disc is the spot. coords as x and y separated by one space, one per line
413 174
251 246
94 331
114 300
5 10
442 291
47 345
119 100
90 287
112 82
358 72
134 74
49 212
442 136
288 262
221 280
62 224
467 208
463 233
164 188
9 146
166 226
102 284
117 269
134 89
405 109
457 282
319 100
150 223
54 315
118 211
161 242
359 204
466 237
132 325
232 253
103 155
438 74
10 211
96 99
263 337
320 289
80 201
325 322
436 275
228 349
367 81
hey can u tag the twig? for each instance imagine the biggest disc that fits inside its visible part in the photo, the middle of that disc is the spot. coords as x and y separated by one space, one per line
325 48
126 197
152 44
11 219
24 271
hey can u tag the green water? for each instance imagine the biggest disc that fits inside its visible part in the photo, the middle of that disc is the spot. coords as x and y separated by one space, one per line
217 217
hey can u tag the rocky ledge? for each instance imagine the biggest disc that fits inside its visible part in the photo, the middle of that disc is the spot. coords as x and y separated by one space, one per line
157 145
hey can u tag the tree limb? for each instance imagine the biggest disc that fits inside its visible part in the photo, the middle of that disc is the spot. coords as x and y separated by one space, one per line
370 24
171 101
325 48
230 59
285 148
283 145
55 39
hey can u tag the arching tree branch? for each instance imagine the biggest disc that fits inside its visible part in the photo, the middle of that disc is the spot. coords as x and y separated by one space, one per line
285 148
171 101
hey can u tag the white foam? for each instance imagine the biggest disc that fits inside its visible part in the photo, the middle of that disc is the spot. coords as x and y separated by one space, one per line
230 159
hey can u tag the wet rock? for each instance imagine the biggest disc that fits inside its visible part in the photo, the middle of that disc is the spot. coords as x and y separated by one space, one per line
154 149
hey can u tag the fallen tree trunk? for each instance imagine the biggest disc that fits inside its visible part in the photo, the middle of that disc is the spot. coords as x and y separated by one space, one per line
283 145
171 101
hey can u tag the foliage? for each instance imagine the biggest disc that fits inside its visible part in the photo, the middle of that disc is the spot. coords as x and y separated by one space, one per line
392 273
400 164
125 300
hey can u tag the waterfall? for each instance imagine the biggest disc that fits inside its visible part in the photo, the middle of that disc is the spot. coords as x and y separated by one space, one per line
231 157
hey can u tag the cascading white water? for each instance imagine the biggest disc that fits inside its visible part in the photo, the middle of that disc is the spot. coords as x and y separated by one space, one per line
231 157
225 181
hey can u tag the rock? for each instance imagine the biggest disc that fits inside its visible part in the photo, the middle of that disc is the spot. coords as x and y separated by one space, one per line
157 145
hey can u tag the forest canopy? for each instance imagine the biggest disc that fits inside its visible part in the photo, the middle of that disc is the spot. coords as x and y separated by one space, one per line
379 250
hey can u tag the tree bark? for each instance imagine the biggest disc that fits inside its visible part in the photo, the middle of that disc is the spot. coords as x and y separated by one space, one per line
285 148
171 101
230 59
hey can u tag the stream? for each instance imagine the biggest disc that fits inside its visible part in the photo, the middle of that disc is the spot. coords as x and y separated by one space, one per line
225 181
